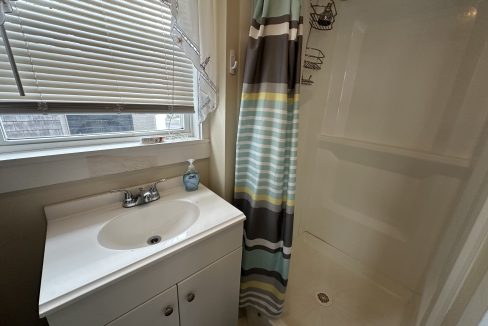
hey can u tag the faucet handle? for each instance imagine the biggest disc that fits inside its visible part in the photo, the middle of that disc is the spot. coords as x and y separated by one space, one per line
153 189
127 195
155 183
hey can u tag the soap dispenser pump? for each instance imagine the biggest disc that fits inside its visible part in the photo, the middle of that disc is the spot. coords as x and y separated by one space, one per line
191 178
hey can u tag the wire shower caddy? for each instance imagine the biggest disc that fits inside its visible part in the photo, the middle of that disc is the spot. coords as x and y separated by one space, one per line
322 18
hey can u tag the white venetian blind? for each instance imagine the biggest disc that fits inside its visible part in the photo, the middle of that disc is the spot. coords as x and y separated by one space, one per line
94 55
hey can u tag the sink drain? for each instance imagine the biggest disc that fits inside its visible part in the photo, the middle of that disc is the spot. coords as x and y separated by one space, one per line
323 299
154 239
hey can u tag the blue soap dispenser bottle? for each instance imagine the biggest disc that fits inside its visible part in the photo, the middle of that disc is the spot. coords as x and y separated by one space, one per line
191 178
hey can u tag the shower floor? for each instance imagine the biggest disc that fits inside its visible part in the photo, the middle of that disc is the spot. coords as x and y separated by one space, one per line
357 295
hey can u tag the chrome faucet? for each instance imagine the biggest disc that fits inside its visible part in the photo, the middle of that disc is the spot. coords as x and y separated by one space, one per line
146 195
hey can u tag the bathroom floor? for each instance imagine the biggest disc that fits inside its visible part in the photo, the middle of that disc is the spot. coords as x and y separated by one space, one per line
357 295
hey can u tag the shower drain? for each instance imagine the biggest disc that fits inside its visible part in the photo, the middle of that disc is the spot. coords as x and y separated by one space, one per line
153 240
323 299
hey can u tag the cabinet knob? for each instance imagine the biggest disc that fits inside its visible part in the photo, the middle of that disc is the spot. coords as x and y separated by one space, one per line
190 297
168 310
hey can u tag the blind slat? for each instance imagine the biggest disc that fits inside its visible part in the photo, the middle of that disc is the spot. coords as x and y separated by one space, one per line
40 22
130 88
56 74
93 17
67 79
96 52
90 52
99 10
39 52
60 106
68 68
148 42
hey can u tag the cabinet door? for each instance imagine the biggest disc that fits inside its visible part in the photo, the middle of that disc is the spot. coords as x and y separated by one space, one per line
210 297
162 310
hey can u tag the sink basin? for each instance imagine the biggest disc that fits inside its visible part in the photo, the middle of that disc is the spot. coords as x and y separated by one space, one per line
148 224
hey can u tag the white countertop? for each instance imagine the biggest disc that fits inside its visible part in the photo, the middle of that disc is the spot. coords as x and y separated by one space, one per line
75 264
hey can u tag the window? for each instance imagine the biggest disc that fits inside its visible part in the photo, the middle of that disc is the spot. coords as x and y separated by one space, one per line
94 69
56 127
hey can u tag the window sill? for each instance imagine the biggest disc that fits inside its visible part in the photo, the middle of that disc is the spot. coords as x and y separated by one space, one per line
36 168
62 152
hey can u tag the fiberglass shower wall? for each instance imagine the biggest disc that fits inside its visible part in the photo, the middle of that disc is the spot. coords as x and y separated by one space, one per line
388 131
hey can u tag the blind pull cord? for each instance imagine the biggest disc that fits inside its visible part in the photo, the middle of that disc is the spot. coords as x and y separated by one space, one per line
118 107
11 60
42 105
170 114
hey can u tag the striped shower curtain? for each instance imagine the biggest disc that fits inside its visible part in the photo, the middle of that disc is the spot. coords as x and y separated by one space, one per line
266 152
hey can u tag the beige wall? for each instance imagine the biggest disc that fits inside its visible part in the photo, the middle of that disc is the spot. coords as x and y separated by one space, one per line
23 228
232 30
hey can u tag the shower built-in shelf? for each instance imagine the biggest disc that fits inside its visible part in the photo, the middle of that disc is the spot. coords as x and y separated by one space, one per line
446 164
363 219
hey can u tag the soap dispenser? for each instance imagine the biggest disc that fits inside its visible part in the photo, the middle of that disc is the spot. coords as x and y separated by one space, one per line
191 178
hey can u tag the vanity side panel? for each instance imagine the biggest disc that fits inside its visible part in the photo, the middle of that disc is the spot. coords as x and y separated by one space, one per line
117 299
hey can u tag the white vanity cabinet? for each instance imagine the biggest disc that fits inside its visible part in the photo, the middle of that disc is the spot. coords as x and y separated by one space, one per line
189 278
200 283
207 298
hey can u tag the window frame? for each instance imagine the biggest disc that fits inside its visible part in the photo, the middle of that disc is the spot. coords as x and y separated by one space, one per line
8 146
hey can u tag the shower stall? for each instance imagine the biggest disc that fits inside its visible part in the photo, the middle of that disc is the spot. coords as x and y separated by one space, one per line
393 133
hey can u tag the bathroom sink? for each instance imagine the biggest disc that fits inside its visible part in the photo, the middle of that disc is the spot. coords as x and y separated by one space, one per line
148 224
